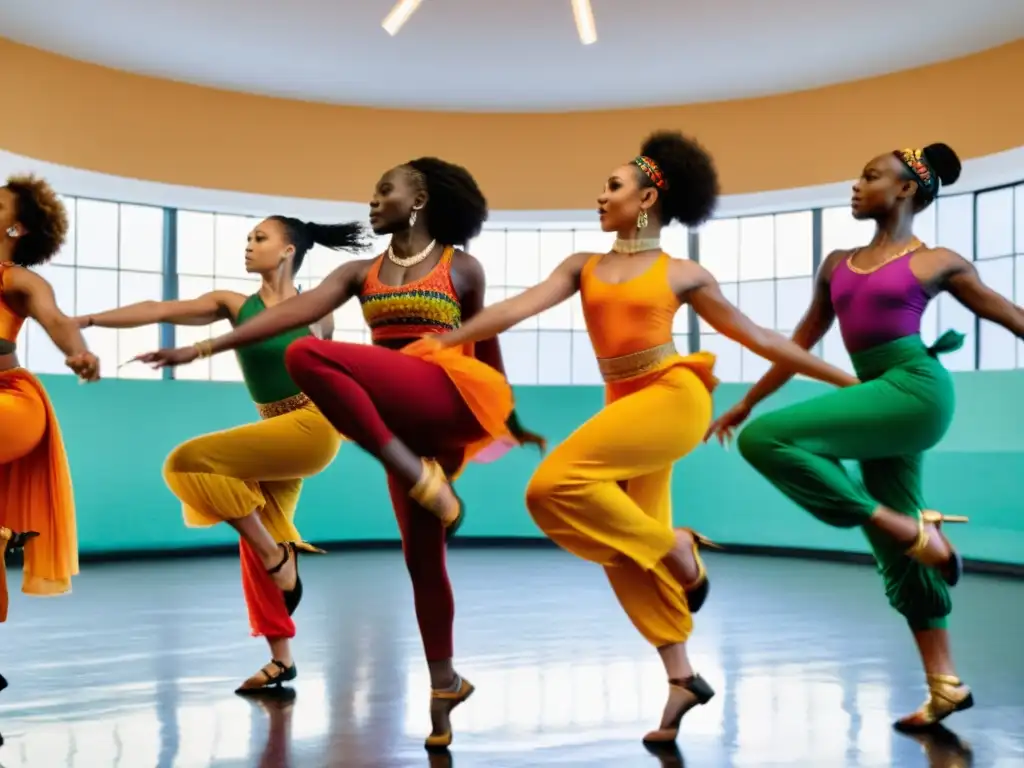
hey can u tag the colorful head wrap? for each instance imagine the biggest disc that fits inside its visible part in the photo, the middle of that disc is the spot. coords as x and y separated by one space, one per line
915 160
652 170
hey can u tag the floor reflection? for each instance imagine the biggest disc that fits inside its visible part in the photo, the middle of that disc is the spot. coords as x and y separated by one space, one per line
809 665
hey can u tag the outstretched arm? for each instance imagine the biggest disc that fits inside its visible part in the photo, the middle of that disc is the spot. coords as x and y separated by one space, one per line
305 309
708 302
207 309
41 306
809 331
492 320
964 284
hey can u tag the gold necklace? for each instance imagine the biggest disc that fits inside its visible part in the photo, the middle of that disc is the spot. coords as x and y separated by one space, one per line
636 246
410 261
912 246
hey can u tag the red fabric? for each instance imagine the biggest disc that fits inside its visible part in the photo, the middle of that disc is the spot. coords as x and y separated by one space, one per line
371 395
423 544
268 616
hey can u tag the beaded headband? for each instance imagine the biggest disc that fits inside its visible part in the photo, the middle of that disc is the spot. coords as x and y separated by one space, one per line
915 160
652 170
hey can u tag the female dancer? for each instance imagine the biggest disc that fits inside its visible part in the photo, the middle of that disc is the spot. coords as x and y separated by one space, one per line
35 484
604 494
402 406
250 476
879 293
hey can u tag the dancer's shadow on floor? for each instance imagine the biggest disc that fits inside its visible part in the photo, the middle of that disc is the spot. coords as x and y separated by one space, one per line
943 748
669 755
279 706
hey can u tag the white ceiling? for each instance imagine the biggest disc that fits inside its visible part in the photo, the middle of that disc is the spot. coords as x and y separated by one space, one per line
513 55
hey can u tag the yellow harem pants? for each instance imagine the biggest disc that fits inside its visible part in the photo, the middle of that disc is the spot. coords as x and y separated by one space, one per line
35 488
257 467
605 493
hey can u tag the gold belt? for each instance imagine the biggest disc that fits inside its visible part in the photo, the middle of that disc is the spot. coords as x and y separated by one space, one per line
635 364
281 407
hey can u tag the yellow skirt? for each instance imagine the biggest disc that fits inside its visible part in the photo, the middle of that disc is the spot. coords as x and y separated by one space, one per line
35 487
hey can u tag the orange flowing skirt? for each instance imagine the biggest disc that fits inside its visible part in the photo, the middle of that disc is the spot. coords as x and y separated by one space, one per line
485 391
35 487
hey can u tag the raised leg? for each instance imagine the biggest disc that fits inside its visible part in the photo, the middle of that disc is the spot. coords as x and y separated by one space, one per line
394 406
605 495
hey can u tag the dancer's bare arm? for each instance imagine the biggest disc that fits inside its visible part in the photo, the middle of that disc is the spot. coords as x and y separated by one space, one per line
811 329
37 297
471 284
962 281
559 286
205 310
708 302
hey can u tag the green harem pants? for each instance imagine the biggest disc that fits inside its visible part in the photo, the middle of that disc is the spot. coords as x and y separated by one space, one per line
903 407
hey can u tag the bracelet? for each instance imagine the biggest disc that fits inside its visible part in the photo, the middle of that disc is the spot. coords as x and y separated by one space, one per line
203 348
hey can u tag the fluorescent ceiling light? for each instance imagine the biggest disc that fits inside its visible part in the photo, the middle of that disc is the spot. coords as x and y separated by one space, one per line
584 21
400 14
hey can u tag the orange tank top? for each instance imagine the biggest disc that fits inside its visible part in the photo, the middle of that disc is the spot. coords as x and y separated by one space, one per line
427 305
10 321
632 316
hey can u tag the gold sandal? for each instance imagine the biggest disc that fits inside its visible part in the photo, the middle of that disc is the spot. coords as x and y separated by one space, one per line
450 699
699 692
697 590
429 493
946 694
950 566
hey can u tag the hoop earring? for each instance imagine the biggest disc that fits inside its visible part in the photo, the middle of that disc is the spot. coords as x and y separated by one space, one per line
641 220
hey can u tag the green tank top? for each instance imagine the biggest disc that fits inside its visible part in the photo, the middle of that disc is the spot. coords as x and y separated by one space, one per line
262 363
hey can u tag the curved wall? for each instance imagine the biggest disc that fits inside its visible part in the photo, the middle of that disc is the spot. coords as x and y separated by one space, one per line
99 119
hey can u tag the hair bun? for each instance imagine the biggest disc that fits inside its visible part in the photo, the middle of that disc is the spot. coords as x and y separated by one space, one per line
689 169
945 161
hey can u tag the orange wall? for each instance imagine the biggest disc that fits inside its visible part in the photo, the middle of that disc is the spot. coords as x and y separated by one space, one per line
98 119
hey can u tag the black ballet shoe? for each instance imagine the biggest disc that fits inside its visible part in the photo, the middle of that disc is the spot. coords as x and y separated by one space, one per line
697 590
293 596
15 540
700 693
269 680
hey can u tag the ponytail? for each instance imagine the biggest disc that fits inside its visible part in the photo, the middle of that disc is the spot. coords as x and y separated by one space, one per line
304 235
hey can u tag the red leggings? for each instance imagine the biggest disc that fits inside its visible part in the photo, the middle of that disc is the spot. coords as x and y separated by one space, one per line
373 395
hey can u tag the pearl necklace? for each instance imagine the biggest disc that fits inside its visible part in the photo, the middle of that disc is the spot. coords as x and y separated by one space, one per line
636 246
410 261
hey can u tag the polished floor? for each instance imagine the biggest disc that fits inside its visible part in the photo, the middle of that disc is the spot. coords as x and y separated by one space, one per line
137 669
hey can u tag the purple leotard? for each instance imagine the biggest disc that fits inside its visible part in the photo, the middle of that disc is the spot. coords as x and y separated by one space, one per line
878 307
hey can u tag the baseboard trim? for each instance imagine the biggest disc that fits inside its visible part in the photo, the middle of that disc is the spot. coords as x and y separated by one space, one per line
1010 570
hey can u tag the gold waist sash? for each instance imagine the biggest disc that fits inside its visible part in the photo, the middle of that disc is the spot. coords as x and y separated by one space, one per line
281 407
635 364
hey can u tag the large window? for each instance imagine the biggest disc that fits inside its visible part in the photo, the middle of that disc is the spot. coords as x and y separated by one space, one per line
764 265
115 255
